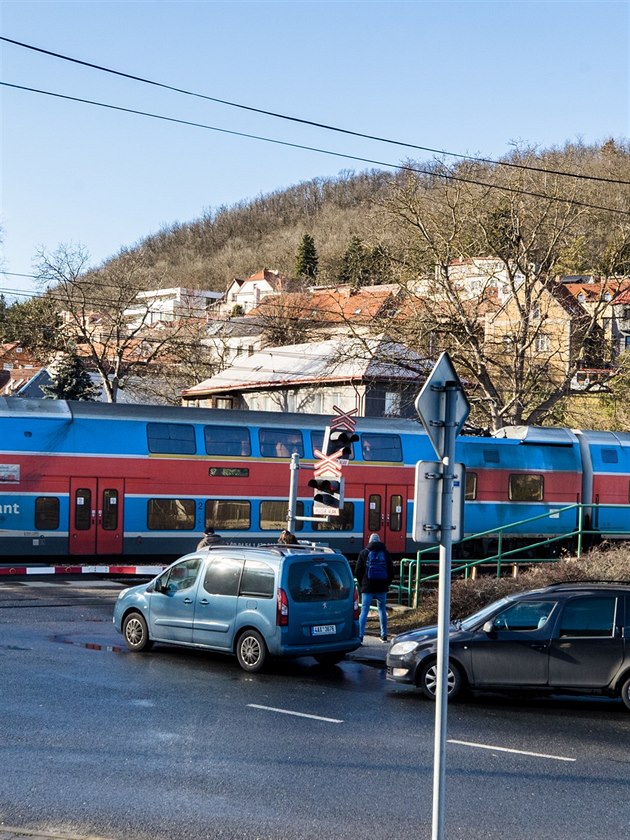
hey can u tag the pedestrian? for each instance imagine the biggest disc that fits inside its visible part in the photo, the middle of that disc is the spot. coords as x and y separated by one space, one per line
209 538
374 572
287 538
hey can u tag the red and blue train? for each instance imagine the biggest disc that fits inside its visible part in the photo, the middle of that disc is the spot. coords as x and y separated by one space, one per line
91 480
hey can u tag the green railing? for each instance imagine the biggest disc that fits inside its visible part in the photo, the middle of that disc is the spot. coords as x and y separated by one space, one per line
411 576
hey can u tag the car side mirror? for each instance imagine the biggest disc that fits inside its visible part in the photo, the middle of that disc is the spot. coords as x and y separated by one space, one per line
158 586
488 627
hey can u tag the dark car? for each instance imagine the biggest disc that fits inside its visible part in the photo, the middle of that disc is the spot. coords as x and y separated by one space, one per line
564 639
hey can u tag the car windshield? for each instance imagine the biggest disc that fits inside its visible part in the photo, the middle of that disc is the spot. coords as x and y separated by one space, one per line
472 621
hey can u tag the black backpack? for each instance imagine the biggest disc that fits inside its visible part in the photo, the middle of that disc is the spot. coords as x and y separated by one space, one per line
376 564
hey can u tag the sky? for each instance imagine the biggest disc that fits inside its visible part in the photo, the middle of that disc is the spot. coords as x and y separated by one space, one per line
467 77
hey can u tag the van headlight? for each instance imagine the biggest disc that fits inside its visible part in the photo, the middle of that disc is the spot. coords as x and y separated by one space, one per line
401 648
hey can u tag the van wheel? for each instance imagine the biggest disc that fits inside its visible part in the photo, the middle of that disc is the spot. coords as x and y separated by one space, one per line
329 659
625 692
251 651
136 632
427 682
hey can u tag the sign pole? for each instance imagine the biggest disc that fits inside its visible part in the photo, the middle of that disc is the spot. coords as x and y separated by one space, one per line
444 609
293 491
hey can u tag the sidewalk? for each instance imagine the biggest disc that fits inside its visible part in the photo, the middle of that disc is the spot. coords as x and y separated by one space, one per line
372 651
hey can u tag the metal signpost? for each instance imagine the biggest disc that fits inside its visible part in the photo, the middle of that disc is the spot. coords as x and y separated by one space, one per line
443 408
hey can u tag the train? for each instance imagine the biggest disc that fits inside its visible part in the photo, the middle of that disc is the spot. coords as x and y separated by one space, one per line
86 480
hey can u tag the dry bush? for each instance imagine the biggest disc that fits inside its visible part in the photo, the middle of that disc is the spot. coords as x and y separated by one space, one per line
606 562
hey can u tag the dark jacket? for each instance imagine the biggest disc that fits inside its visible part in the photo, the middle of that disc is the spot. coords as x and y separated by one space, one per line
208 539
373 586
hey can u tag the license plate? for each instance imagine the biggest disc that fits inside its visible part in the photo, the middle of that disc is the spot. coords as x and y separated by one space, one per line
323 630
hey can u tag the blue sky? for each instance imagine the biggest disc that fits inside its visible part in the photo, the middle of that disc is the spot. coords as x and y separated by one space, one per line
470 77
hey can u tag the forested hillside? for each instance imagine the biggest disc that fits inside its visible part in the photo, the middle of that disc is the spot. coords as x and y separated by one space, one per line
265 233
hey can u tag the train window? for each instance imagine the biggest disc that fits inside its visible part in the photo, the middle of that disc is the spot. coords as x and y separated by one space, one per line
610 456
526 487
46 513
374 512
82 509
227 440
395 513
343 522
471 486
222 576
317 441
273 515
228 514
258 580
280 443
110 510
381 447
171 514
491 456
171 438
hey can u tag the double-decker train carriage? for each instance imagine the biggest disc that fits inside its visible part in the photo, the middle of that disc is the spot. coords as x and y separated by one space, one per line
89 480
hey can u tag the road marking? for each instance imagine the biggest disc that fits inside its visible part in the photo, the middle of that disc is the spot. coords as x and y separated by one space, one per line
506 749
297 714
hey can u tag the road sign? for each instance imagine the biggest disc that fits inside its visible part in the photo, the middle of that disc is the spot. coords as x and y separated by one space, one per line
431 402
427 507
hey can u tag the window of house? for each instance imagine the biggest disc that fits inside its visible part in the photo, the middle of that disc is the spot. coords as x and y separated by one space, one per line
171 438
526 487
542 343
227 514
171 514
227 440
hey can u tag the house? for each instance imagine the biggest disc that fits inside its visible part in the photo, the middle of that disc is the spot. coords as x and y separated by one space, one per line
244 295
380 377
21 373
167 305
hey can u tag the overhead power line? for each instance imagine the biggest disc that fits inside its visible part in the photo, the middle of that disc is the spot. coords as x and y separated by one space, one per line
303 121
386 164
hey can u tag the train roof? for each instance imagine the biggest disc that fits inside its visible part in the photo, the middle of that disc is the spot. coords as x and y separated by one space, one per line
538 434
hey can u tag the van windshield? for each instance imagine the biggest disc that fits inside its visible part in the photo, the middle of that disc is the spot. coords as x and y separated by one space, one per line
320 580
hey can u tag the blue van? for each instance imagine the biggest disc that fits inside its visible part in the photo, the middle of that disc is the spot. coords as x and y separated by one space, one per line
254 602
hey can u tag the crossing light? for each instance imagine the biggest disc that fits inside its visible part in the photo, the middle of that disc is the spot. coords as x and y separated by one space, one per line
328 493
336 439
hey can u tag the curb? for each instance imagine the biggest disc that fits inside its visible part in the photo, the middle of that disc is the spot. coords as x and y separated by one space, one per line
8 832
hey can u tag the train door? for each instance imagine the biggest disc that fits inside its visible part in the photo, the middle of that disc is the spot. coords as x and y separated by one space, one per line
96 516
385 514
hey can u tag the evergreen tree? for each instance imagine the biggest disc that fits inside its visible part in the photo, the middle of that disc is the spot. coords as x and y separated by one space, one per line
355 268
71 381
306 258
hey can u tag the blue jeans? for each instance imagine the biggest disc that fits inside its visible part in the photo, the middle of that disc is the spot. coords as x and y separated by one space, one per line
366 603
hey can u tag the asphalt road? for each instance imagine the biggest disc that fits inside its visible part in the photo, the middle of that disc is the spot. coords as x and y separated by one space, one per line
178 745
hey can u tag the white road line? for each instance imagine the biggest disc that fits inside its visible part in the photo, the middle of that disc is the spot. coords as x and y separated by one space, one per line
507 750
297 714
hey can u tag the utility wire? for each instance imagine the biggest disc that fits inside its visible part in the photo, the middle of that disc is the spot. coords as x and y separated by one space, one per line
400 167
312 123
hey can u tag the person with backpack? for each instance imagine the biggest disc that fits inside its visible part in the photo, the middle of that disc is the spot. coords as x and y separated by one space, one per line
374 572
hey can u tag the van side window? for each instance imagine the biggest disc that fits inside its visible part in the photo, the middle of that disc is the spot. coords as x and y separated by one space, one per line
171 438
326 580
258 580
526 487
227 440
223 576
182 576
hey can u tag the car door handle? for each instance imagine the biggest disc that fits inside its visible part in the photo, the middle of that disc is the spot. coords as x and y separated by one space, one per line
188 600
204 601
538 645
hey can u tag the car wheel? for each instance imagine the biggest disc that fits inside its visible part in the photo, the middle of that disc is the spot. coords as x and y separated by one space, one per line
330 659
136 632
625 692
428 680
251 651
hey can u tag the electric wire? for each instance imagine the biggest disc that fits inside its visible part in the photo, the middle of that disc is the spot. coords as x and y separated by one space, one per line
400 167
313 123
